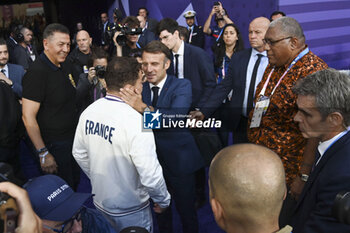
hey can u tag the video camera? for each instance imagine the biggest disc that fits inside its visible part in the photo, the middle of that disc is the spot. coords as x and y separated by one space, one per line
125 30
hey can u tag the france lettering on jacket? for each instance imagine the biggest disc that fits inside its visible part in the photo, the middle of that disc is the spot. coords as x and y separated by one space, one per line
104 131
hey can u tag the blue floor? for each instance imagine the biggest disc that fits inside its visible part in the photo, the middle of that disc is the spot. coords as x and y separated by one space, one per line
206 219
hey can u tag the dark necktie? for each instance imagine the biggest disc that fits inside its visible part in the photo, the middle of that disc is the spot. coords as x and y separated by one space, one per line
3 71
155 91
177 65
252 84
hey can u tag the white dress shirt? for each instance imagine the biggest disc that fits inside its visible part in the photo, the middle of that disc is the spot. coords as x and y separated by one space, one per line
261 69
181 53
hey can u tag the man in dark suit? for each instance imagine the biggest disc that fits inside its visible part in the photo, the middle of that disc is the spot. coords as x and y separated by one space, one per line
324 113
242 79
24 54
196 35
151 24
193 63
12 74
146 36
176 148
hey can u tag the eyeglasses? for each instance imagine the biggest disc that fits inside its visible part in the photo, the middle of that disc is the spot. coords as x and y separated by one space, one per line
273 42
67 225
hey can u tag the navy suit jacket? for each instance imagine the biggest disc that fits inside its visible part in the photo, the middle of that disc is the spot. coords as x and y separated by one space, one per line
146 37
176 149
235 80
197 37
16 73
313 212
199 69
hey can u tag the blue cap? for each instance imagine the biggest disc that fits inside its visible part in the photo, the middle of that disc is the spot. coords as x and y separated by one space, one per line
53 199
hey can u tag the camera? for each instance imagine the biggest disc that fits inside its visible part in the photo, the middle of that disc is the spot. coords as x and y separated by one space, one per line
100 71
125 30
341 207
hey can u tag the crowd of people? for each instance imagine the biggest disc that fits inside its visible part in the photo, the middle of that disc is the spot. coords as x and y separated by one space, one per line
81 105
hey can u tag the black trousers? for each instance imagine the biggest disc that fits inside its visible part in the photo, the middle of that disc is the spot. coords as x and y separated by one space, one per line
182 190
68 168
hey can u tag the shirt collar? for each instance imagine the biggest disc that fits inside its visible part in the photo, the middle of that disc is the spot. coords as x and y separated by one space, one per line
181 49
255 52
160 84
48 62
323 146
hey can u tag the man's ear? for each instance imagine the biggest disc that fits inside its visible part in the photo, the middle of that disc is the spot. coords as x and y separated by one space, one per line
294 42
167 64
336 119
45 43
218 212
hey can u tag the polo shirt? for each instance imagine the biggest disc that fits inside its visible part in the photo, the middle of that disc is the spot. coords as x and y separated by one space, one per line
51 86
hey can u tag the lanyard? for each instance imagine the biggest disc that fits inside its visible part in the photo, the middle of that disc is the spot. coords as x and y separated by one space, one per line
223 67
114 98
217 39
138 45
262 92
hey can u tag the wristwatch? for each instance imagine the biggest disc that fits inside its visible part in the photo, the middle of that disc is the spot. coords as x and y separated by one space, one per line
304 177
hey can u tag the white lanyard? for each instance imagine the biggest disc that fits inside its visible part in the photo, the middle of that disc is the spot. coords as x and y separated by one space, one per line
262 92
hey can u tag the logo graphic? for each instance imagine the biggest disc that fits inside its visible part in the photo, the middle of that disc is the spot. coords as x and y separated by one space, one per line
151 120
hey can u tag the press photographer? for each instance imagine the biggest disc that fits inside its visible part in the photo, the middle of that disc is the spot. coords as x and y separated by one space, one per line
91 85
126 36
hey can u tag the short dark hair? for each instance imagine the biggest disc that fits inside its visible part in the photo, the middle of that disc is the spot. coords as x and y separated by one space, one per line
2 41
167 24
183 32
277 13
54 27
131 21
143 8
122 71
157 47
97 53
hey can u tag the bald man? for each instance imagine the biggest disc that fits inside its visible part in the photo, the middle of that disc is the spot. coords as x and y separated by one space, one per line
80 55
247 187
242 79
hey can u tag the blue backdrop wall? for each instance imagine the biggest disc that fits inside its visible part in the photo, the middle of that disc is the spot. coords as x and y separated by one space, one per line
326 22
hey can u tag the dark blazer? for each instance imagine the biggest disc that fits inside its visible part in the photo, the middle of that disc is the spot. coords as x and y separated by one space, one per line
197 37
199 69
146 37
152 25
22 57
16 73
11 44
235 80
313 212
176 148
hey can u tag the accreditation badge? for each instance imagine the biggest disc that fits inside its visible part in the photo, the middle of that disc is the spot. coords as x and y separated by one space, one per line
259 110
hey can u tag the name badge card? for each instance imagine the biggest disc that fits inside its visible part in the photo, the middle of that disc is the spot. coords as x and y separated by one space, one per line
259 110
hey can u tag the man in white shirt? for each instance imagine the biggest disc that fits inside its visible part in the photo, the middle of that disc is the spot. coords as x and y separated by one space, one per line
119 158
324 113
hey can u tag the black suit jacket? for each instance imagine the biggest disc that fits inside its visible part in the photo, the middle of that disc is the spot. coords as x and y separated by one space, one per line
235 80
199 69
331 176
146 37
197 37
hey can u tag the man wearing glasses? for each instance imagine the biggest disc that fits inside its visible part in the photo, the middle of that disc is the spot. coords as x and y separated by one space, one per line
271 121
61 209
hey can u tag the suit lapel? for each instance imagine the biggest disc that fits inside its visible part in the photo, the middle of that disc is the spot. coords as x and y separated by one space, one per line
244 67
170 70
326 156
187 61
164 90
